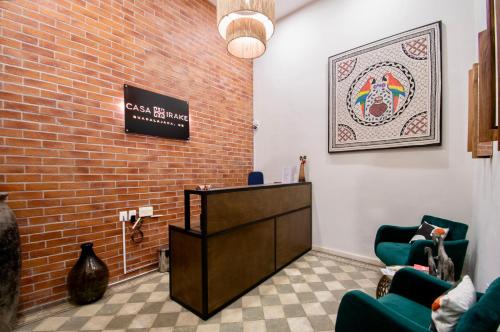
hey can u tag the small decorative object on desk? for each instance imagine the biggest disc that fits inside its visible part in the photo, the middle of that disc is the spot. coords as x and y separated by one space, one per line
302 173
10 265
204 187
88 278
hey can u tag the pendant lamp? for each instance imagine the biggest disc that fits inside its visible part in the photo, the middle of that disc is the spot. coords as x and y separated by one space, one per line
246 25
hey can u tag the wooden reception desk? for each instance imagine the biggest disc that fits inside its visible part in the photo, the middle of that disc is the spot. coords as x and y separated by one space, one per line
244 235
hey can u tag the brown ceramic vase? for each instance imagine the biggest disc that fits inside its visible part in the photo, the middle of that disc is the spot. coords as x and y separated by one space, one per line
88 279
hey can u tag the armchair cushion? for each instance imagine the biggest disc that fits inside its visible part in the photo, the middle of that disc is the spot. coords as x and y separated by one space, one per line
413 311
393 253
426 231
457 230
449 307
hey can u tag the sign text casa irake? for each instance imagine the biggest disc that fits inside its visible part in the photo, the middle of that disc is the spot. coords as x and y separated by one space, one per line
153 114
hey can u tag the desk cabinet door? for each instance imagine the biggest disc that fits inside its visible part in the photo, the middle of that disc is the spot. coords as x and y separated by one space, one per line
293 236
237 260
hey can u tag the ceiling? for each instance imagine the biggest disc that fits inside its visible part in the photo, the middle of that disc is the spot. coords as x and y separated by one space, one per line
284 7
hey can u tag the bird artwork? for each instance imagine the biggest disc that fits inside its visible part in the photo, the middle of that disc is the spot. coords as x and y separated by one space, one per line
396 88
387 93
363 94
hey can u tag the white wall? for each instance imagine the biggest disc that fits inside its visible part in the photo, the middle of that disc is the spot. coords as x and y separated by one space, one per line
356 192
485 234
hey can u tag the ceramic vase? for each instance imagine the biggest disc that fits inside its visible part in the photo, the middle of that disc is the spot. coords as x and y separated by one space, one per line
88 279
10 265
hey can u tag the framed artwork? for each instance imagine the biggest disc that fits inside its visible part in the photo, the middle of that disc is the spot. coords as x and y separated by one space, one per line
387 94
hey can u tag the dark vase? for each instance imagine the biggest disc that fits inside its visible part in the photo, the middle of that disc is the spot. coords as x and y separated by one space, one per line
302 172
88 279
10 265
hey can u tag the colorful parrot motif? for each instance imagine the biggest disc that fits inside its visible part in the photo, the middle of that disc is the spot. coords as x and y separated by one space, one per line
363 94
396 88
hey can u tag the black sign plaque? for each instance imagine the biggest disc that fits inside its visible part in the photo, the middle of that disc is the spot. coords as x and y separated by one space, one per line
153 114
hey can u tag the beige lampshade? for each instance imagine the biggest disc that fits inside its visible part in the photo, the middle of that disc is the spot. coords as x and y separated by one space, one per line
246 25
246 38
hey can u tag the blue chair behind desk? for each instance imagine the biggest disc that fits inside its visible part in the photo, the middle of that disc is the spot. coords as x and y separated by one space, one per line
255 178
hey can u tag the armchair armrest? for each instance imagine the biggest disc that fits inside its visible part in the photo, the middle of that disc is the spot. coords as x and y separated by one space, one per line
388 233
418 286
360 312
456 250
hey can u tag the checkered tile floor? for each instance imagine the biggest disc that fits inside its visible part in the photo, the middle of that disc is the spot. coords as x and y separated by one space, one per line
302 297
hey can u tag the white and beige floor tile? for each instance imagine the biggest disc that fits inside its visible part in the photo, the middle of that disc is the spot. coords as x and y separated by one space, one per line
302 297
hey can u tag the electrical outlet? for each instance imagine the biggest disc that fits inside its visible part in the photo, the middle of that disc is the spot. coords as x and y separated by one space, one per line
131 213
123 216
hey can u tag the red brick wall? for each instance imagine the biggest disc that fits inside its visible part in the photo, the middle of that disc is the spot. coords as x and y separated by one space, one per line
64 157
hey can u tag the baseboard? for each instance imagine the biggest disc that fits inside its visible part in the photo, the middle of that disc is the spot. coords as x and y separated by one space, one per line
348 255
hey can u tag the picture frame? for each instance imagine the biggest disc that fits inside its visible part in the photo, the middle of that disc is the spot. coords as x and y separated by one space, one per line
386 94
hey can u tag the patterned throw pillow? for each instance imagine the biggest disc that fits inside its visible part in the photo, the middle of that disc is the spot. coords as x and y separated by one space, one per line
447 309
425 232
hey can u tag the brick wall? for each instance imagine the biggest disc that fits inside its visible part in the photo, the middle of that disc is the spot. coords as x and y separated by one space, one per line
64 157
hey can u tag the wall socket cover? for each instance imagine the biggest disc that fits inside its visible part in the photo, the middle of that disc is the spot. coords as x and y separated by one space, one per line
131 213
123 216
146 211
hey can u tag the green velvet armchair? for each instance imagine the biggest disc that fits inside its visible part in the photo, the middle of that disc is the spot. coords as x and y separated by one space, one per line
392 245
407 307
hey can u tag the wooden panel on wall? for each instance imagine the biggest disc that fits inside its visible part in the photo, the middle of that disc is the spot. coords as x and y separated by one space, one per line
478 149
227 210
186 257
497 44
293 236
487 103
483 89
472 107
236 261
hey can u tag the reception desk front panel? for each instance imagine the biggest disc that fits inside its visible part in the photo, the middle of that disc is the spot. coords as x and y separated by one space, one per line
237 262
245 235
293 235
